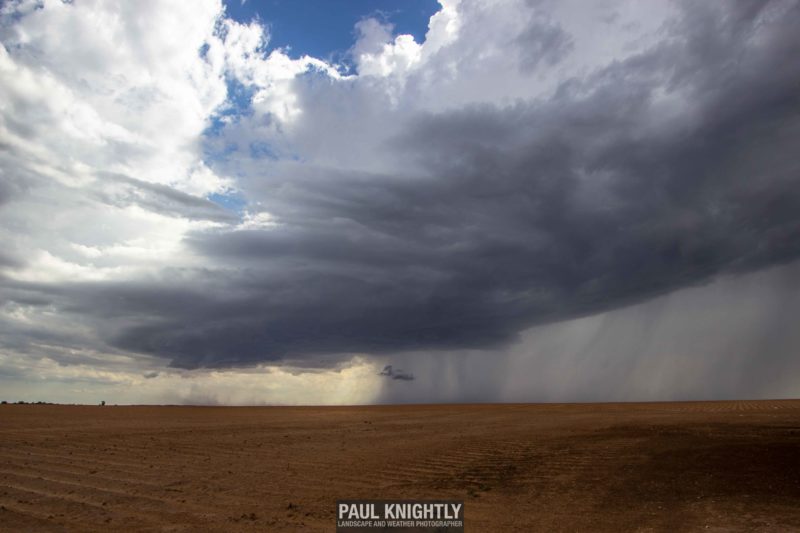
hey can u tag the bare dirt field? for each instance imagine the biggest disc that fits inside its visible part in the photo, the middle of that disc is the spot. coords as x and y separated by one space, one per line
710 466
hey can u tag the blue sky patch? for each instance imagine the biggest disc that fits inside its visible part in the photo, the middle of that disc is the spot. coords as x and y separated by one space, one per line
237 105
325 28
232 201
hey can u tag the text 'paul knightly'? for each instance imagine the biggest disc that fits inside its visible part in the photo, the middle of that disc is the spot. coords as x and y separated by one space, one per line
399 511
362 516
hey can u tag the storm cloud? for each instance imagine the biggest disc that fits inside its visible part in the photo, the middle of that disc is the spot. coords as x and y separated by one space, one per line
421 212
519 215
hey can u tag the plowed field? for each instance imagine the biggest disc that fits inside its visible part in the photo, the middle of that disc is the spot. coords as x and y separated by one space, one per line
705 466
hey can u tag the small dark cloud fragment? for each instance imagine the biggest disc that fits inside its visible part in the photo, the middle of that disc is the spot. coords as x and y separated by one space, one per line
390 372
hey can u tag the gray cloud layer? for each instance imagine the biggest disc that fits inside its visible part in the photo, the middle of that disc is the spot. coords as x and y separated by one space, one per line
502 217
522 214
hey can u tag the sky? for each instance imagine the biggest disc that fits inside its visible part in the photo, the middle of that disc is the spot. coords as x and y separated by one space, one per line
353 202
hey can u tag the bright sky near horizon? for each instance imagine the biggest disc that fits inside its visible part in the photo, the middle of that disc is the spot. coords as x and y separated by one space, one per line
389 201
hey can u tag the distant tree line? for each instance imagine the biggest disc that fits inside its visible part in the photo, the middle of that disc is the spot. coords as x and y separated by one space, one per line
22 402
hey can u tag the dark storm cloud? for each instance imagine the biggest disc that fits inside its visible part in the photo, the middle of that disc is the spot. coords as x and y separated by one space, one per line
521 215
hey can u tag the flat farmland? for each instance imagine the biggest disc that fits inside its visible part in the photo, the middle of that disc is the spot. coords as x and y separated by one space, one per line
703 466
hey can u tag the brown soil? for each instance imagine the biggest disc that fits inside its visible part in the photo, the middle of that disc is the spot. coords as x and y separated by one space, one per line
710 466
